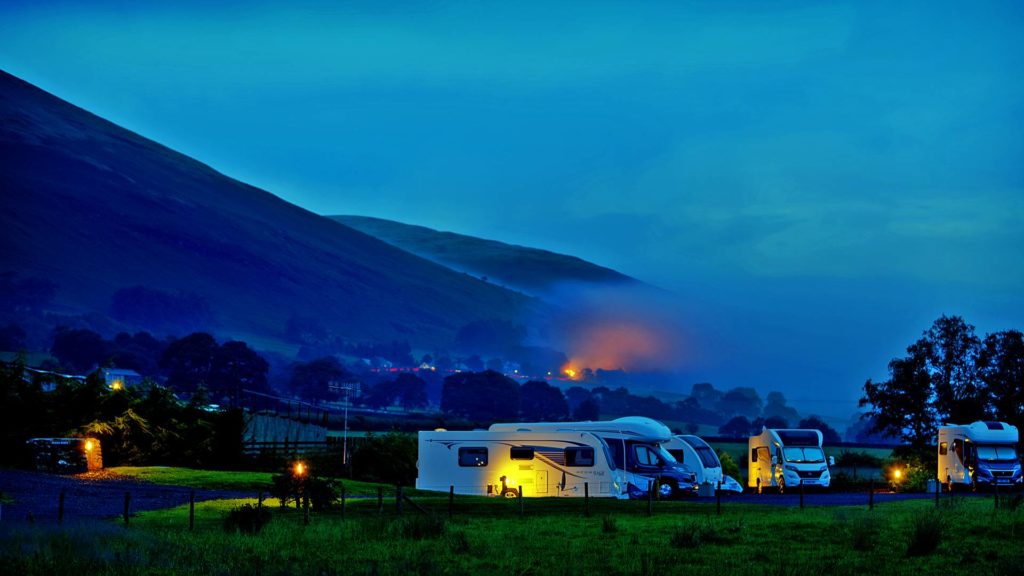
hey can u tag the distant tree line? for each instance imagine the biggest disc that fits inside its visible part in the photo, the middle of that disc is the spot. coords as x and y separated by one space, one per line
949 375
143 425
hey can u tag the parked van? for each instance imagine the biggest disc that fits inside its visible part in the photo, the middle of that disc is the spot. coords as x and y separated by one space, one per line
698 456
636 446
498 463
979 454
782 458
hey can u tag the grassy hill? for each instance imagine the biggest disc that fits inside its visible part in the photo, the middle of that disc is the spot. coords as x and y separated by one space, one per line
96 208
530 270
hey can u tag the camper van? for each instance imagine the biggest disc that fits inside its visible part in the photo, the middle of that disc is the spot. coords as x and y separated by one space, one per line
636 446
694 453
787 458
500 463
982 453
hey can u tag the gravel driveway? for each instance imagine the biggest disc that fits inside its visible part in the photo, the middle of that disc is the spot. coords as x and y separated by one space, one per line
37 494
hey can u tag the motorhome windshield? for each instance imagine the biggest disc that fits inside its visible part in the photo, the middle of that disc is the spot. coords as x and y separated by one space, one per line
997 453
707 456
802 455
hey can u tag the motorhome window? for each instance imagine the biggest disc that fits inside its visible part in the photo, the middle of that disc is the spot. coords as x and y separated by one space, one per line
943 448
520 453
810 454
997 453
707 457
958 447
579 456
677 454
472 457
798 437
753 454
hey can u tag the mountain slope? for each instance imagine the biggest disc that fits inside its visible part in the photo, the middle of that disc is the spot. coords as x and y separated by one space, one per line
528 269
96 208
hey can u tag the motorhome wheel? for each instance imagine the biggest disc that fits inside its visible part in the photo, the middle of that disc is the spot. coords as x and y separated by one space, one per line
667 490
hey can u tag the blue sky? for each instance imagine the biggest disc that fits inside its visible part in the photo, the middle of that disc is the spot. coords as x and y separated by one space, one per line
818 182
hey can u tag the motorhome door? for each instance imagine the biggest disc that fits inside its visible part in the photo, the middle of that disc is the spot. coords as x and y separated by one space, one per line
764 465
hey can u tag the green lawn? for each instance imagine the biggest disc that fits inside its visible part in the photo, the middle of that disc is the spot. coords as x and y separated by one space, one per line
487 536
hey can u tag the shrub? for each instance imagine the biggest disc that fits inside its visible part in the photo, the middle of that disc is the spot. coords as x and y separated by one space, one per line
287 487
729 466
247 519
925 534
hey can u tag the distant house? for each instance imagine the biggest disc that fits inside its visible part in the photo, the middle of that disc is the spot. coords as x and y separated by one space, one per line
120 378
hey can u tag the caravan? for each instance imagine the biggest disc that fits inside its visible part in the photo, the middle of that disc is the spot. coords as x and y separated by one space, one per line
781 458
982 453
501 463
636 446
694 453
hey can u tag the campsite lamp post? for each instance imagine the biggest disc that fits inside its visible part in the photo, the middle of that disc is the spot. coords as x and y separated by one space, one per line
348 388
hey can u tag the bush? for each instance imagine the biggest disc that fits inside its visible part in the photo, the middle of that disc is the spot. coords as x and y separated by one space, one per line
247 519
729 466
388 458
925 534
288 487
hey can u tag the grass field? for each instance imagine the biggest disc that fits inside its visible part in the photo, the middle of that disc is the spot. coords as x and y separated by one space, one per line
487 536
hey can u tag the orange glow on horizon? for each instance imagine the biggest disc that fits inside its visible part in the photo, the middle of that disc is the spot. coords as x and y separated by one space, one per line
618 345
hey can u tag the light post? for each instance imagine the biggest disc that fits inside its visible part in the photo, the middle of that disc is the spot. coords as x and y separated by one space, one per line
348 388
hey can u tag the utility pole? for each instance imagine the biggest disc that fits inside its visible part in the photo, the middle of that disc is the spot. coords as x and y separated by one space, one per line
348 388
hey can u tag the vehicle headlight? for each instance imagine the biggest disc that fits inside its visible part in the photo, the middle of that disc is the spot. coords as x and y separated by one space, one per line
791 468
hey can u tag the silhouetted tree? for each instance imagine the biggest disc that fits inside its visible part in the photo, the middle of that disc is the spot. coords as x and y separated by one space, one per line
736 427
188 362
1001 369
588 409
483 396
775 405
79 350
542 402
312 379
828 433
237 367
742 401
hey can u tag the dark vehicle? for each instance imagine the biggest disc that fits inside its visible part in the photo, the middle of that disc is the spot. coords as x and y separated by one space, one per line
650 465
66 455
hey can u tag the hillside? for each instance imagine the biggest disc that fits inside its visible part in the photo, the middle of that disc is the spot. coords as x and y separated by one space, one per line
96 208
530 270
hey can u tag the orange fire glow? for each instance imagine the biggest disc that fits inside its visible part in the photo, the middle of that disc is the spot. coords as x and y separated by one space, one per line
618 344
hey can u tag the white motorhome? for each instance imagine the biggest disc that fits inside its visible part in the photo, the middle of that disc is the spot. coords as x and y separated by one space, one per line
498 463
982 453
781 458
636 446
698 456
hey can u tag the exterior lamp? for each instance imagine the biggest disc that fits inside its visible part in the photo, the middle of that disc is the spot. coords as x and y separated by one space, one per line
299 469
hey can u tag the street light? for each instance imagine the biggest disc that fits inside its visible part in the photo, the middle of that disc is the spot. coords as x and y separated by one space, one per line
348 388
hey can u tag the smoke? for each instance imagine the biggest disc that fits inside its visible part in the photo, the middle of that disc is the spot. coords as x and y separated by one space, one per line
628 326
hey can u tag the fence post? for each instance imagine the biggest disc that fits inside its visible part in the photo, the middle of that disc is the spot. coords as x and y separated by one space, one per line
657 488
871 494
801 493
650 497
305 509
342 502
380 499
718 498
259 501
398 499
586 499
60 508
938 489
950 490
191 509
520 493
995 488
451 500
127 506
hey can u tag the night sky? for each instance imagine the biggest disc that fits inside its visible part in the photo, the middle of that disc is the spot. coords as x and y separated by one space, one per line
816 182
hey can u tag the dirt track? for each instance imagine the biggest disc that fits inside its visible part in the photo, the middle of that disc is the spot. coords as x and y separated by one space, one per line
85 497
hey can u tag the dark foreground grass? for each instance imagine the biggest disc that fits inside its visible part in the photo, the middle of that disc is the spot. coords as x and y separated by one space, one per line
553 538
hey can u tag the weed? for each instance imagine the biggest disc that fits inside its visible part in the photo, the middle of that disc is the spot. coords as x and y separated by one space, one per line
418 527
925 534
609 525
247 519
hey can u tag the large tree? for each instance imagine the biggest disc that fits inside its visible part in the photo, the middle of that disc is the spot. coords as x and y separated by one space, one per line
313 379
483 396
188 362
540 402
1001 370
951 348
